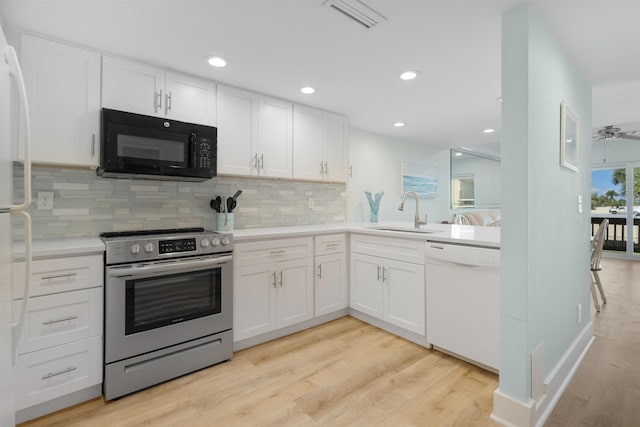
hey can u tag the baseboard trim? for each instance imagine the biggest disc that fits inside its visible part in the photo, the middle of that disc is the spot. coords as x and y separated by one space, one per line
558 380
511 412
396 330
59 403
279 333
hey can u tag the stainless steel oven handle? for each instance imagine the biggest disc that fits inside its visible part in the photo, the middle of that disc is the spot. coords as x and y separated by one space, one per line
178 265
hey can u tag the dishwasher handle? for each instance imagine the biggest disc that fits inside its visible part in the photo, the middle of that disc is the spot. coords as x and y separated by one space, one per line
462 256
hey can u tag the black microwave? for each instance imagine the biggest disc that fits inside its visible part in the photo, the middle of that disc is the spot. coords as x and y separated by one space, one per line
146 147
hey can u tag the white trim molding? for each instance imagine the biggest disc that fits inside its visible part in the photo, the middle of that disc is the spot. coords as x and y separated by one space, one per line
511 412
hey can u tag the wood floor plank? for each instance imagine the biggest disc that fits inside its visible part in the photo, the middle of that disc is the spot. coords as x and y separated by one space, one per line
343 373
605 390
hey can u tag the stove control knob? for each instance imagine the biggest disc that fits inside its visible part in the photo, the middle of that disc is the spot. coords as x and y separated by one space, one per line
225 241
215 241
135 249
204 243
148 247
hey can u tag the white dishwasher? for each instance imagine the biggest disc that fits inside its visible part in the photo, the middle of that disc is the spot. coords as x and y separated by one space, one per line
463 301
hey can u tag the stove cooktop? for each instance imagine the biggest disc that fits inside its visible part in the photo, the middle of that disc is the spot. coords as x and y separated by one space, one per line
133 233
149 245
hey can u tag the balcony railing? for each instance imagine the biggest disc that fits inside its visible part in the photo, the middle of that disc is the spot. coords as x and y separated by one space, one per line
616 234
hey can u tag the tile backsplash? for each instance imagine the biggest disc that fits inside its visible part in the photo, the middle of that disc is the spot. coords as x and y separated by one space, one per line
85 205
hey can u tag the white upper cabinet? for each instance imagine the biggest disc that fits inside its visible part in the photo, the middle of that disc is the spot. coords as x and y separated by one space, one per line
237 131
63 88
132 87
254 134
275 137
319 145
309 152
190 99
337 149
139 88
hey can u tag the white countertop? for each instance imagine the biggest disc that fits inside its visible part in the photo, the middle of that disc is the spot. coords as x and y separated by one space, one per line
446 233
60 247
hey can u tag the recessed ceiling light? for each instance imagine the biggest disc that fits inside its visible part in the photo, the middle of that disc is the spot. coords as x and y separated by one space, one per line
398 124
458 154
409 75
308 90
489 130
216 61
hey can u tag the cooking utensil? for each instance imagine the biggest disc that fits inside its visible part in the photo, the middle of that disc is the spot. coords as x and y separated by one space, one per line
231 201
216 204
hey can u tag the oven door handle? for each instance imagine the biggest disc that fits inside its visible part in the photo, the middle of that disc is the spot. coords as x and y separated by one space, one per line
166 267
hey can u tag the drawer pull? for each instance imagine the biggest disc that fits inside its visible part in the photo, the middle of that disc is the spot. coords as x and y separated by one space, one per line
55 374
66 319
68 276
332 245
277 252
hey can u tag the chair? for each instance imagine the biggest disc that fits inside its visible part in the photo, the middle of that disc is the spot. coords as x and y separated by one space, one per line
596 253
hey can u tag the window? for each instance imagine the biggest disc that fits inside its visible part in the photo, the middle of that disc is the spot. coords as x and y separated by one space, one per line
463 191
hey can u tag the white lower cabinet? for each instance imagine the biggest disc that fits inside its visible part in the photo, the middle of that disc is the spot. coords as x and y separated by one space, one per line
273 286
60 347
391 290
47 374
332 292
331 283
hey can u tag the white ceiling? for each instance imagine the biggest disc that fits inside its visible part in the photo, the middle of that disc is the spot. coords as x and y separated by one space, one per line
278 46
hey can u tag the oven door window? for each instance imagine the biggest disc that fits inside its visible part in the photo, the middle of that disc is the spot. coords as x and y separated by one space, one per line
160 301
152 150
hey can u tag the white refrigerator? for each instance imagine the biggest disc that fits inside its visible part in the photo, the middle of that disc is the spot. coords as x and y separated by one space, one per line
12 96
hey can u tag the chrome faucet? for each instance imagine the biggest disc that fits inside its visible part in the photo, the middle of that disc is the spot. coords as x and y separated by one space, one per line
418 222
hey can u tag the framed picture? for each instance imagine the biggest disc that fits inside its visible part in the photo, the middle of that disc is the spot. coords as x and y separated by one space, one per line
421 179
569 137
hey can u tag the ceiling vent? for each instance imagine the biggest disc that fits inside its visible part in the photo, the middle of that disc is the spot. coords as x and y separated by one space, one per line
356 10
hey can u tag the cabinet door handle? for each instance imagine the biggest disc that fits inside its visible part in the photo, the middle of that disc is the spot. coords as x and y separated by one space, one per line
65 319
160 100
55 374
93 145
58 276
280 278
274 279
332 245
255 161
167 103
378 273
262 161
326 168
384 274
277 252
320 271
351 171
321 168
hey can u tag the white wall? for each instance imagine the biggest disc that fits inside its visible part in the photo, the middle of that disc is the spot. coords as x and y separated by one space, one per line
375 161
545 239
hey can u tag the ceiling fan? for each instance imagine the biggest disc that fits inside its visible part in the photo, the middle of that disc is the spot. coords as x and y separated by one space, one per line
610 132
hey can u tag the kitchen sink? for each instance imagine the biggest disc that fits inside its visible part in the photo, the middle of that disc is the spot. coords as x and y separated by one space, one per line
403 229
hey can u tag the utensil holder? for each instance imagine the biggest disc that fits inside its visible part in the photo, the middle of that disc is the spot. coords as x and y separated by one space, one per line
224 221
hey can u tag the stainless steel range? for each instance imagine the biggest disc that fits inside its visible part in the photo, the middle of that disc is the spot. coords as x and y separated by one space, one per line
168 305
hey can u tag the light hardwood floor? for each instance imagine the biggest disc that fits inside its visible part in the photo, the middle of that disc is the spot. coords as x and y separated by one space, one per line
343 373
605 390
